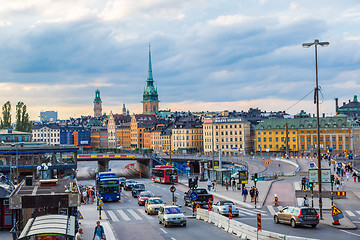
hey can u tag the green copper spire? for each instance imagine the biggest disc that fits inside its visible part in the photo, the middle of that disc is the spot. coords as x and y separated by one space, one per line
150 80
97 96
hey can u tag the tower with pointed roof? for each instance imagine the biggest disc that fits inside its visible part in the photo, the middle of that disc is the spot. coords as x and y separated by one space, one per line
150 97
97 104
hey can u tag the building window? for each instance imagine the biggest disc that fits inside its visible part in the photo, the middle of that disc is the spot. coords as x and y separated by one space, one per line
309 139
301 139
340 138
270 139
347 146
294 139
264 139
340 146
276 139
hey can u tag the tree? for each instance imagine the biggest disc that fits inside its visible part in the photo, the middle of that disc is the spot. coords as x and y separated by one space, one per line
6 119
22 118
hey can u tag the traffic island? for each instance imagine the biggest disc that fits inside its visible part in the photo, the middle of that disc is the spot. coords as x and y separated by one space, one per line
345 222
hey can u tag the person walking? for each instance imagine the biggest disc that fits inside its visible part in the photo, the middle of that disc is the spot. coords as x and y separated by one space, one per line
354 175
84 195
244 193
337 183
208 184
79 235
342 185
99 233
233 184
303 183
252 194
227 184
256 193
214 185
306 201
347 175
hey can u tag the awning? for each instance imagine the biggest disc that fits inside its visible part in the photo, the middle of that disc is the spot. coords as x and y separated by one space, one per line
49 224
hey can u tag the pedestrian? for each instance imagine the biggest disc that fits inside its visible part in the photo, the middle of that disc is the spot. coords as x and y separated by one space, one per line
307 183
358 175
306 201
244 193
79 234
88 195
252 194
84 194
214 185
233 184
342 185
342 172
208 184
337 183
355 176
303 183
347 175
93 194
99 233
227 184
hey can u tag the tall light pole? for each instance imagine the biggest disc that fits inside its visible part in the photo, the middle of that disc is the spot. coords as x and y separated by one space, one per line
316 99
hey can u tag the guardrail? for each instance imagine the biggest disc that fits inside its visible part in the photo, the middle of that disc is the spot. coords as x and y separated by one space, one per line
239 229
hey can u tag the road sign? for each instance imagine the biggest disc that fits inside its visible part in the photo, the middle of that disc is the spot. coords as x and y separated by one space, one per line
325 175
337 213
193 195
259 221
312 165
172 189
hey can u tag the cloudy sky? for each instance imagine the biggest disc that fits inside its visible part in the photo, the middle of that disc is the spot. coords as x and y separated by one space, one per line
206 54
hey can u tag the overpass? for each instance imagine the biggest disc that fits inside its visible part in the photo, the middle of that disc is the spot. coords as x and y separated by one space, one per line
144 162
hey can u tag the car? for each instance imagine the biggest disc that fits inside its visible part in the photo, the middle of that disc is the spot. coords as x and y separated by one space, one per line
152 205
138 187
222 207
297 216
143 196
171 215
122 181
129 184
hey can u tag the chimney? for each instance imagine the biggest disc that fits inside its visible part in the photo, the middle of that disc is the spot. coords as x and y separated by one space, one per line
344 103
336 105
323 115
349 101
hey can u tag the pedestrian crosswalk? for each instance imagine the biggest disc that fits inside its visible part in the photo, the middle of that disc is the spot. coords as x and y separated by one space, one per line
128 215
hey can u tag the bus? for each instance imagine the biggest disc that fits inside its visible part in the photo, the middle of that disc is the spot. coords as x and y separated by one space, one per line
162 174
108 187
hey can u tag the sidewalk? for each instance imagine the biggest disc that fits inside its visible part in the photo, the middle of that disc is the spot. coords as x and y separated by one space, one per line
90 216
5 235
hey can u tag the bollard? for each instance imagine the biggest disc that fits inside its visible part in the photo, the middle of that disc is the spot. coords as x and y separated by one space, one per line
276 200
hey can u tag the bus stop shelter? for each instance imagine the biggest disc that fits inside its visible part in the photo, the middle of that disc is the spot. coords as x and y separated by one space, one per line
49 227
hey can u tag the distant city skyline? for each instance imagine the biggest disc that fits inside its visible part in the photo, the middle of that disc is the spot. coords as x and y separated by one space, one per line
206 55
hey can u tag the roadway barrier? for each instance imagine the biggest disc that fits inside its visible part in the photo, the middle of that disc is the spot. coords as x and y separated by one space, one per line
239 229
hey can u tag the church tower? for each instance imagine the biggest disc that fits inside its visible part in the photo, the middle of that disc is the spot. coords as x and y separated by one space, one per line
97 104
150 97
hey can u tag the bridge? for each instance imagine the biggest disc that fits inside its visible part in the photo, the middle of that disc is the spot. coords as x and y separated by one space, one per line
145 162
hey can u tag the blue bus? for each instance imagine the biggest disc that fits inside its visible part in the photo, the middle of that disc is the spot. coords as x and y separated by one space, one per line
108 187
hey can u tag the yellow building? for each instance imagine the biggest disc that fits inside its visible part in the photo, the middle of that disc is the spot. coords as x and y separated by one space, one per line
187 136
232 136
156 139
123 135
336 135
140 127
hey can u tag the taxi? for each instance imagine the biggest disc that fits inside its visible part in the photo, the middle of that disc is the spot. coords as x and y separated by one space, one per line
143 196
153 204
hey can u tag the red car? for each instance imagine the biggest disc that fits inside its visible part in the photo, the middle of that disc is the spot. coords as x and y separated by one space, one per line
143 196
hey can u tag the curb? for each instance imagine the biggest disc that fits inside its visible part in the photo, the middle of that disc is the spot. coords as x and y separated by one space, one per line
267 193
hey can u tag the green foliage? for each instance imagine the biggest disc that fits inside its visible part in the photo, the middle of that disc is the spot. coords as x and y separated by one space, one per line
6 112
22 118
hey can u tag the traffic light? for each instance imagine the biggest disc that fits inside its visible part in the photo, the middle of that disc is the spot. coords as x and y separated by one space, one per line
332 178
191 183
196 182
311 185
255 177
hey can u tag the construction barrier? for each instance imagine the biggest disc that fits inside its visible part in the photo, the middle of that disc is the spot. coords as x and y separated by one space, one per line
341 193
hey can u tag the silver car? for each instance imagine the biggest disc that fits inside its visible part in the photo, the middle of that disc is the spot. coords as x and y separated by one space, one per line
222 207
171 215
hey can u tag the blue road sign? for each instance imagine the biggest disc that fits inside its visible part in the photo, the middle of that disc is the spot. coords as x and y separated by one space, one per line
312 165
193 195
339 216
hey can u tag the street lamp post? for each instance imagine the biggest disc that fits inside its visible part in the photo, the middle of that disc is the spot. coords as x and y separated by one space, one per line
316 99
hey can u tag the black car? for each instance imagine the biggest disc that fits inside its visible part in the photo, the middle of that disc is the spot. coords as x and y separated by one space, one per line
129 184
122 181
137 189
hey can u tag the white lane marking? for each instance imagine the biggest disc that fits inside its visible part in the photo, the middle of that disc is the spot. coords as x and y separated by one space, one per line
173 238
133 213
356 221
103 215
271 210
141 211
350 233
350 213
163 230
164 188
157 186
113 216
123 215
249 212
358 212
109 233
177 193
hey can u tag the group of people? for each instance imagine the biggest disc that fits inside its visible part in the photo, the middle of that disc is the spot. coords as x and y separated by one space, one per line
211 185
99 233
254 194
87 193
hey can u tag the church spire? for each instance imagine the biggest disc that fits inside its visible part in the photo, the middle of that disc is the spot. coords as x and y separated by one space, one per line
150 80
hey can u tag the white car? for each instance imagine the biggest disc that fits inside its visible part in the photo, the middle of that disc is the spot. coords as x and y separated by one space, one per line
222 207
171 215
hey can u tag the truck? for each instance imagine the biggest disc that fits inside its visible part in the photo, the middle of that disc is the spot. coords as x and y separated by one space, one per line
202 197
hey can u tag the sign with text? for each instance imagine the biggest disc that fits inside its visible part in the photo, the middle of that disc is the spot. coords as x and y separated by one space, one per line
325 175
243 177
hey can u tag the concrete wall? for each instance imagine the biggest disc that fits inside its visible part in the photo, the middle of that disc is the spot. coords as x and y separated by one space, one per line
144 167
